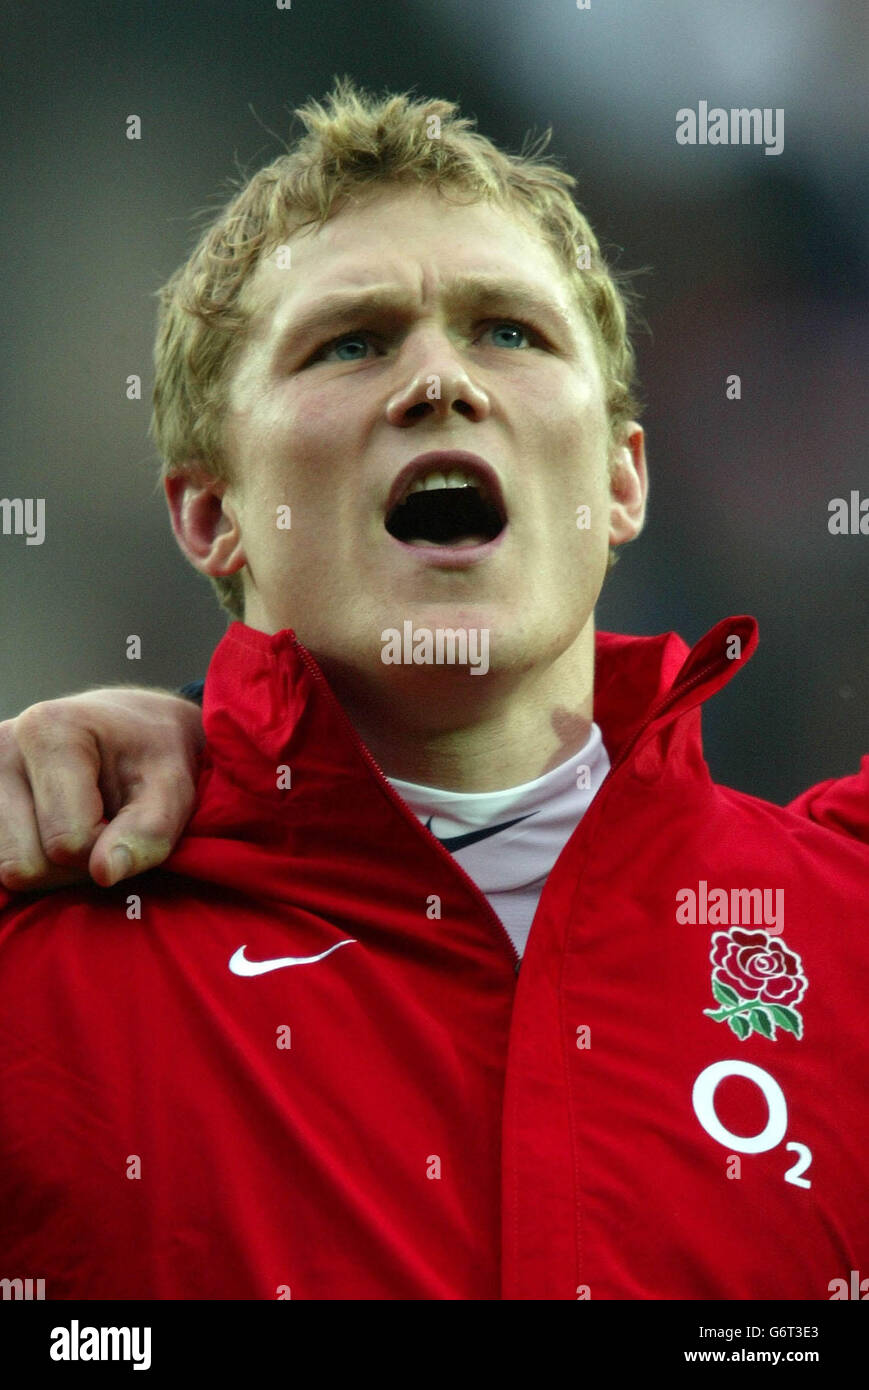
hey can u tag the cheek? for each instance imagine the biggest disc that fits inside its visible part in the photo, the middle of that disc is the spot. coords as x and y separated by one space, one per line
309 438
314 415
575 474
567 416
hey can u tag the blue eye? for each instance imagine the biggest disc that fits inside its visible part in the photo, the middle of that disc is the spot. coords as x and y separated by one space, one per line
363 338
510 327
348 340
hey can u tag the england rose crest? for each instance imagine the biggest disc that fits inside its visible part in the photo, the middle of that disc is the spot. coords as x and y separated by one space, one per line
757 981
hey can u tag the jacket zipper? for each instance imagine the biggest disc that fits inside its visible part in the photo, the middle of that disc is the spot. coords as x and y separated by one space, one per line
405 810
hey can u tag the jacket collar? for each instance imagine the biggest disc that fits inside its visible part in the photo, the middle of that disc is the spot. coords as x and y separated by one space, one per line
266 698
647 682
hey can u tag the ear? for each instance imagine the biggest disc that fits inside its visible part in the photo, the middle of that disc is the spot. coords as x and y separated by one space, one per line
204 519
629 483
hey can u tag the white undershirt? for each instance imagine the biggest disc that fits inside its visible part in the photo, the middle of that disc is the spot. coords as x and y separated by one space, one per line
512 866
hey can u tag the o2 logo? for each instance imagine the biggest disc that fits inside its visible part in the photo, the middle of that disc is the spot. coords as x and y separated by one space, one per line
703 1099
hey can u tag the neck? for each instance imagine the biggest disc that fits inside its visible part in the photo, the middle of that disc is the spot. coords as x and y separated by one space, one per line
519 727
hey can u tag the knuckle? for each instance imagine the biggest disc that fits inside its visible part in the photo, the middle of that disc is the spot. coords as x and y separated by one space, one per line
19 875
61 845
13 848
40 723
8 742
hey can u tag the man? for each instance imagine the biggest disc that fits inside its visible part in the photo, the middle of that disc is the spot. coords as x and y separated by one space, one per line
393 397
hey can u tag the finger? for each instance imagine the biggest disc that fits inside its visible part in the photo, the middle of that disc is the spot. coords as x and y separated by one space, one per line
145 831
62 767
23 865
43 882
21 854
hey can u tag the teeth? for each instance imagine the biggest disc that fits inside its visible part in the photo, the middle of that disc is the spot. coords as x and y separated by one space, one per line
455 478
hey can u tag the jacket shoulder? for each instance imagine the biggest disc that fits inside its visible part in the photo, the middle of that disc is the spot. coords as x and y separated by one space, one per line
841 804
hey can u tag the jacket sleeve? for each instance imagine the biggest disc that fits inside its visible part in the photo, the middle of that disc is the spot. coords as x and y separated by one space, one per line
841 804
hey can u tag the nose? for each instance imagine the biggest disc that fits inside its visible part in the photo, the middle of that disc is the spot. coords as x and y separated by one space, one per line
438 384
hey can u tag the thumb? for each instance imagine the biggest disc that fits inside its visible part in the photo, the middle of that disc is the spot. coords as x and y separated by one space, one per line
121 852
143 833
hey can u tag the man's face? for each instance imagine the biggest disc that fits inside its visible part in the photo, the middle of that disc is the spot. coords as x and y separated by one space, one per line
456 331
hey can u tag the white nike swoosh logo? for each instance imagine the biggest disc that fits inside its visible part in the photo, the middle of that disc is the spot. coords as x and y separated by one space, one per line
240 965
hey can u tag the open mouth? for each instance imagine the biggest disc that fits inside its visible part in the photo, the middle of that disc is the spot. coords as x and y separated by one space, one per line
440 511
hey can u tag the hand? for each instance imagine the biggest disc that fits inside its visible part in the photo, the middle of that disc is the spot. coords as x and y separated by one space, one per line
131 755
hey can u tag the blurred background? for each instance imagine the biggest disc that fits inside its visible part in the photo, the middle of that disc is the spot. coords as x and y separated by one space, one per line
756 265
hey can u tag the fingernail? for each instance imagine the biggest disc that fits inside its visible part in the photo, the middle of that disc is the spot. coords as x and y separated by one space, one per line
120 862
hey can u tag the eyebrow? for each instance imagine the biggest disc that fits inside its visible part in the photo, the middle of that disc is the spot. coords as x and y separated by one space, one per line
476 292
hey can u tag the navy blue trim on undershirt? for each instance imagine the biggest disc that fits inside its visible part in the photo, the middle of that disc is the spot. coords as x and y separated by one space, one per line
193 691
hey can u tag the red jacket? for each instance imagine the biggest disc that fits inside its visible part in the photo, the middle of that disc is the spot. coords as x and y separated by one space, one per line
406 1117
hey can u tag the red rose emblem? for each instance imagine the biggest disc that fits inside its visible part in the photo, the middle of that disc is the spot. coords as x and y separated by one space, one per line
758 967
